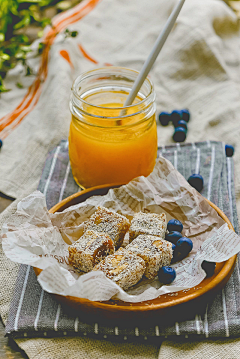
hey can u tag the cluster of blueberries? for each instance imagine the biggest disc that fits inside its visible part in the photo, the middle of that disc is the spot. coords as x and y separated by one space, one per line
1 143
179 119
181 247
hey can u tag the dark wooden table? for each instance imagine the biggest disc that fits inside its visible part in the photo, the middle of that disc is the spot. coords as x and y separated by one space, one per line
8 348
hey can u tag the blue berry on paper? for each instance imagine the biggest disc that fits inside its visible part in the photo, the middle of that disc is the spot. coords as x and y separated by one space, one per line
1 143
174 225
229 149
173 237
166 275
180 134
208 267
183 247
186 115
196 181
174 254
164 118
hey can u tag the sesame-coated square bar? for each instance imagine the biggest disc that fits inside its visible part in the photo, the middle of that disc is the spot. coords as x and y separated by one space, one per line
155 252
112 223
148 223
123 267
89 250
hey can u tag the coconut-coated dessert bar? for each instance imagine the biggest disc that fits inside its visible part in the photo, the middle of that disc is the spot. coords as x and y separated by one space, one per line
155 251
123 267
148 223
89 250
112 223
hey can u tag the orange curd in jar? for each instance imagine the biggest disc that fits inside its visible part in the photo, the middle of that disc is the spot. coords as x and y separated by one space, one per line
110 143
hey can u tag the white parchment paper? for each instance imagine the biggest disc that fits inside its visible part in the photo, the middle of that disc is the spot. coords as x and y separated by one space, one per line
37 238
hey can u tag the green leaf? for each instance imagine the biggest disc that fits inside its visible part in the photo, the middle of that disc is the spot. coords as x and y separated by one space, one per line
74 33
34 8
20 55
19 85
20 39
3 89
41 47
2 86
29 71
40 33
26 48
44 22
24 22
18 15
45 2
29 1
64 5
5 56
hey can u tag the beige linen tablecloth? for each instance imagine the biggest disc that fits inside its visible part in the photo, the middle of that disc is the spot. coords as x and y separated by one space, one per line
197 69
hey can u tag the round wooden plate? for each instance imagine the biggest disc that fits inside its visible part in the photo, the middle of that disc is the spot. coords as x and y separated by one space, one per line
170 307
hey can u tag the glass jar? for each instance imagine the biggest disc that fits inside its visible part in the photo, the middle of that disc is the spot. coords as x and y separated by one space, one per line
109 143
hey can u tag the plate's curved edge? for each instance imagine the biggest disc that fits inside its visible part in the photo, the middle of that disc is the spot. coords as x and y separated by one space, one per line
215 284
65 201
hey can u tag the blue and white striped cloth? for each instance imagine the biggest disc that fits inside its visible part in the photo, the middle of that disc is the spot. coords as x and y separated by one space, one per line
34 313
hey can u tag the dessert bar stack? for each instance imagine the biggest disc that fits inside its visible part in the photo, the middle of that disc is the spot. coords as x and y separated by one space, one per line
123 267
89 250
156 253
148 223
100 246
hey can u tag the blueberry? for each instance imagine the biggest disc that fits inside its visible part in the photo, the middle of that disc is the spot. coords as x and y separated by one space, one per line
164 118
183 247
229 149
185 115
176 116
209 267
174 254
196 181
166 275
183 124
174 225
173 237
180 134
1 143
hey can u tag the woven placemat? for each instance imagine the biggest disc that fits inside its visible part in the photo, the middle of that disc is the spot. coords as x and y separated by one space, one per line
35 313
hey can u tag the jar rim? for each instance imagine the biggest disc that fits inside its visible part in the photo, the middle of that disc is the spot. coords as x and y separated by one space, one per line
86 74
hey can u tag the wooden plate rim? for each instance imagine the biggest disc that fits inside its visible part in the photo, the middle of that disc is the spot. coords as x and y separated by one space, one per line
215 282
